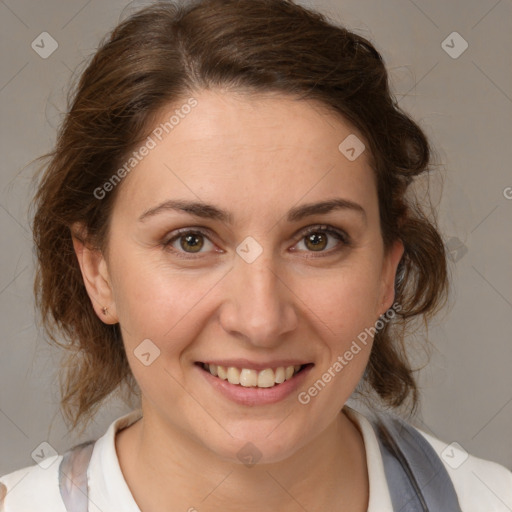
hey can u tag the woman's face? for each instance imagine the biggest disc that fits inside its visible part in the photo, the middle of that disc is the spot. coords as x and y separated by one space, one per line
275 280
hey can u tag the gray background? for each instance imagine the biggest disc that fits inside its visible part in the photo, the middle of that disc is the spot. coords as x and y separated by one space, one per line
465 106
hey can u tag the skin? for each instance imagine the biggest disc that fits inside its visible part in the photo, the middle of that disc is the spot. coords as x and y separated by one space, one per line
256 156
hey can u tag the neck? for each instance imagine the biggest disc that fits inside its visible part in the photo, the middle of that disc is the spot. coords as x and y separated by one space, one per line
170 469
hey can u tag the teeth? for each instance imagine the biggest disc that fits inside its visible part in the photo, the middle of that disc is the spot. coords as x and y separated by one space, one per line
280 375
221 372
247 377
266 378
233 375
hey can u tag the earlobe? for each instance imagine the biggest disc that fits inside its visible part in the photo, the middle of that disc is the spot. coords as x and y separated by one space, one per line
94 269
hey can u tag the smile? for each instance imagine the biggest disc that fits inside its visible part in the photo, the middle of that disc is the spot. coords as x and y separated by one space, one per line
246 377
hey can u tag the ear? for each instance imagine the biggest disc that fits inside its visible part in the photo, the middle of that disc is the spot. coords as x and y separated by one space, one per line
390 264
95 275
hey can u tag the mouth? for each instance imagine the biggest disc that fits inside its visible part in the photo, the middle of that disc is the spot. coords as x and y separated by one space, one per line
250 378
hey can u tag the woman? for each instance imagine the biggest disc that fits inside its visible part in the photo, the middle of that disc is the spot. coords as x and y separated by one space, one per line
223 228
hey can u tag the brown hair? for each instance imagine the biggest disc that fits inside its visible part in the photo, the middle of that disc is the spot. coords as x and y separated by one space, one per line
157 57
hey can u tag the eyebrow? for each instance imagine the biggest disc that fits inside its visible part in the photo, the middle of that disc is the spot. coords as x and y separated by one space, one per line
209 211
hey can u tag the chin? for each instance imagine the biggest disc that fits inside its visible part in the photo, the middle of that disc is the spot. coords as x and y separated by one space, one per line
254 444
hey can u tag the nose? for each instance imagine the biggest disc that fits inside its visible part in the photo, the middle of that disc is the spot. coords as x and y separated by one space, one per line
259 307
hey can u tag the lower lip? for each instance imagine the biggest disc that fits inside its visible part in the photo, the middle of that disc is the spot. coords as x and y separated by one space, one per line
253 395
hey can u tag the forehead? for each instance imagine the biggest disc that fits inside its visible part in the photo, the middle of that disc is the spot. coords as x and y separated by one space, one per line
246 123
245 147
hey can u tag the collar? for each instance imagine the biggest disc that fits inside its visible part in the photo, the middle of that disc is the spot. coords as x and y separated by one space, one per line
108 486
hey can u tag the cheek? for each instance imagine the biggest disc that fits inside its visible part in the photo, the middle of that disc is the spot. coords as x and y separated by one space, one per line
348 301
165 308
343 311
158 303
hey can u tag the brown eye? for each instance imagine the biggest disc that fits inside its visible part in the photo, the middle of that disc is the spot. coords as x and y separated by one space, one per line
316 241
193 241
190 242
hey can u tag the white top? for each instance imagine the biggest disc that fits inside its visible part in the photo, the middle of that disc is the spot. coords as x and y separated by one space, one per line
481 485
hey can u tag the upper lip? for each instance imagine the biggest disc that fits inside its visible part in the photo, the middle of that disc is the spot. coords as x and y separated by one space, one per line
252 365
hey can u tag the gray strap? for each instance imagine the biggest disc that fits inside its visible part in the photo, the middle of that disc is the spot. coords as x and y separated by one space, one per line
73 477
416 476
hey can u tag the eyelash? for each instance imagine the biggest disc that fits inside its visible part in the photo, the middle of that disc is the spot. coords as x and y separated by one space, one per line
336 233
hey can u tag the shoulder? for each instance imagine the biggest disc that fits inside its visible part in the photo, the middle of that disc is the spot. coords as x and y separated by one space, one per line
480 484
32 487
37 487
